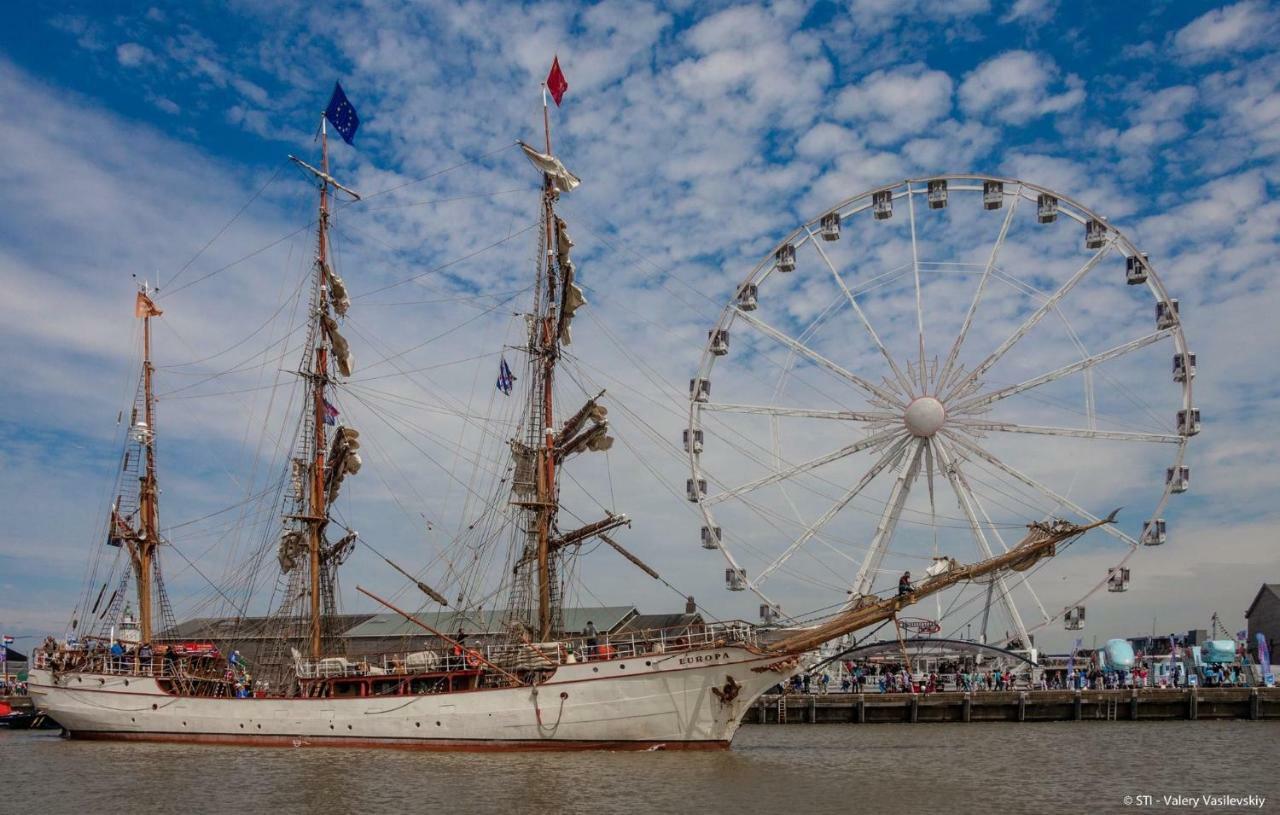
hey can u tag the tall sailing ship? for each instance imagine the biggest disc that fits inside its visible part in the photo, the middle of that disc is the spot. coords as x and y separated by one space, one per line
538 686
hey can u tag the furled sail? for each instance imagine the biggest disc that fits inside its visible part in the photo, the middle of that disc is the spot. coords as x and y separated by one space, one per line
341 350
572 298
344 460
561 178
337 291
292 546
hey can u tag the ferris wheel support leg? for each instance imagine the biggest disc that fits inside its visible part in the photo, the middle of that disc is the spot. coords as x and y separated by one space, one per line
951 468
910 468
1025 581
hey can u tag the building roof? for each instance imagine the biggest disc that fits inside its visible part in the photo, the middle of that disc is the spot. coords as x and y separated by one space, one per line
605 618
1273 588
214 628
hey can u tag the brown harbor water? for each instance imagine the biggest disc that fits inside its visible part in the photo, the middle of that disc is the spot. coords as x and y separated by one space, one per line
945 769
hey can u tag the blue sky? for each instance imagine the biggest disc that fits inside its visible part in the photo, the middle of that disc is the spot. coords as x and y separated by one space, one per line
705 132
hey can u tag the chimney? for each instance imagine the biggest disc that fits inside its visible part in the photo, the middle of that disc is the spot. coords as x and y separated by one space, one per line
690 606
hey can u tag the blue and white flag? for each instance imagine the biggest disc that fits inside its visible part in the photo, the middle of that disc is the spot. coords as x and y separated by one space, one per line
8 640
341 114
506 379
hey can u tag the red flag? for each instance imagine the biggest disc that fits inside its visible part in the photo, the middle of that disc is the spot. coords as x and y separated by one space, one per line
556 83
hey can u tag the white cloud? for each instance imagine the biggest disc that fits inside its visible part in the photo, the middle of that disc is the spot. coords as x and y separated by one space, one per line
888 105
1018 86
1030 12
877 16
133 55
1227 31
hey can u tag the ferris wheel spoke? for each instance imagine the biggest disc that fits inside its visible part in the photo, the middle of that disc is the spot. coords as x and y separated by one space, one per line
802 413
1033 319
890 456
800 348
954 354
1066 432
907 473
1058 500
951 468
983 400
812 464
853 301
915 270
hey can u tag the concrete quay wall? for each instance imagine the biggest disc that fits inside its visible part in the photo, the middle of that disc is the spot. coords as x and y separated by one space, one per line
1134 704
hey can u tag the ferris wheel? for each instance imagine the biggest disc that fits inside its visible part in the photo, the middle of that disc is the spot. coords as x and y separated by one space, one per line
920 372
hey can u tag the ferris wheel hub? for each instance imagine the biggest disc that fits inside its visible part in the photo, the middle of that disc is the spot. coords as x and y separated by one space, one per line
924 416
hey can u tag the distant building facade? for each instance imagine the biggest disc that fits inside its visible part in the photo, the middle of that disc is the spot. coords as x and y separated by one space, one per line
1264 618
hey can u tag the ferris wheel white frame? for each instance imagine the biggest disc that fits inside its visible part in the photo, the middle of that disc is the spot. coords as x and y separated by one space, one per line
910 427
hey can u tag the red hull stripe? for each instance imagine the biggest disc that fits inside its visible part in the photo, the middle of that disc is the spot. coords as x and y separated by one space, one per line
440 745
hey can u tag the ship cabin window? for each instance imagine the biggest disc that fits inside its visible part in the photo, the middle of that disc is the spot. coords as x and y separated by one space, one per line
386 687
992 194
429 684
347 688
1047 208
937 193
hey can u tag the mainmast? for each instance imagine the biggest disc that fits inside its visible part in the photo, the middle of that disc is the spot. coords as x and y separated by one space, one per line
557 298
143 546
319 512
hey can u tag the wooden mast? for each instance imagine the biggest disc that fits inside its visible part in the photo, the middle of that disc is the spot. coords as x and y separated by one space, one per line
149 494
319 379
546 481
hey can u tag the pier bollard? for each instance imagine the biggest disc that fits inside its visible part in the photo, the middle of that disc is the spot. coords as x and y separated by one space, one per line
1022 706
1254 704
812 716
1078 706
966 708
915 708
860 709
1193 703
1133 705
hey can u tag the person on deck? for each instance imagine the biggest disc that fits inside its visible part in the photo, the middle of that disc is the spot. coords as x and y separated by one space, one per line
593 639
904 584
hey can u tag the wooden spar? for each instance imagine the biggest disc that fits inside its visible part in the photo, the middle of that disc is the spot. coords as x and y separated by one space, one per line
514 679
639 564
1040 543
145 545
317 509
548 495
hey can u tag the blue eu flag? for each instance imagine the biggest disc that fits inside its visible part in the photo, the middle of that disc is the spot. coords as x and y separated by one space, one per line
341 114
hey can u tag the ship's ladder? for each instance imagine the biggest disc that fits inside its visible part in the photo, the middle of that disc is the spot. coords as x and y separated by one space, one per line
782 709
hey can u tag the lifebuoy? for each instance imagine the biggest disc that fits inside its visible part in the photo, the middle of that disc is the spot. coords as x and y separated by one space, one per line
473 657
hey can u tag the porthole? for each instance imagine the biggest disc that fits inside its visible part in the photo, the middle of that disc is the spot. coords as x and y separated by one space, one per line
417 724
154 706
242 725
564 694
437 724
348 727
647 663
132 719
126 683
330 727
184 724
622 667
595 670
259 727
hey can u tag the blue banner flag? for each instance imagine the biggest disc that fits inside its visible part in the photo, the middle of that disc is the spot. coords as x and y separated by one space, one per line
505 378
341 114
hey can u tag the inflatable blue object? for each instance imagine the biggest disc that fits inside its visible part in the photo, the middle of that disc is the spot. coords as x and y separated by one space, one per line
1217 651
1119 654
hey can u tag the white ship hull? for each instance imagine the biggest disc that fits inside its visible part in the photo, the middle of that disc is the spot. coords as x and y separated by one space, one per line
658 700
